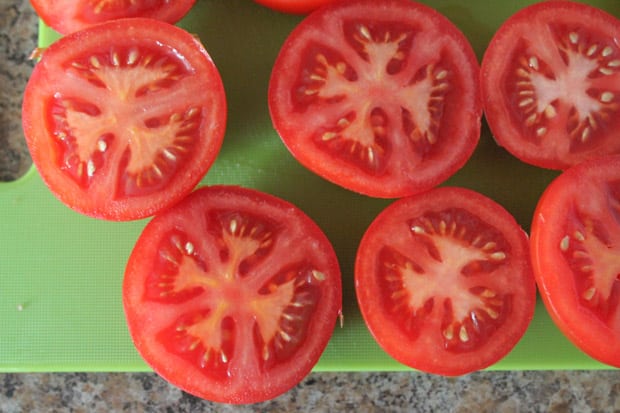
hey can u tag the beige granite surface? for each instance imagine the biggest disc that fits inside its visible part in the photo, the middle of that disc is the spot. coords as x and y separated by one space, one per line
542 391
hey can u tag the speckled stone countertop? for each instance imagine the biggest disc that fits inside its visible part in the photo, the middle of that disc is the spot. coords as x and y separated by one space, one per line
544 391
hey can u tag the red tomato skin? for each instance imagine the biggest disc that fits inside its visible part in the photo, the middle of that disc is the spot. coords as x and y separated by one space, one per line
465 130
499 109
176 370
40 138
424 353
554 276
65 18
294 6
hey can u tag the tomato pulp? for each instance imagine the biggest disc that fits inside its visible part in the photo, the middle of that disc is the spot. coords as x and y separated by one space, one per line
550 81
381 98
232 294
67 16
113 121
444 281
576 255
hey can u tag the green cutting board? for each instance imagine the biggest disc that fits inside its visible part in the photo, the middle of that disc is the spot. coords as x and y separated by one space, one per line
61 273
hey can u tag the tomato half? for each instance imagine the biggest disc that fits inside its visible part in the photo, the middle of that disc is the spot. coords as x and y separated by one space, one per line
551 84
232 295
113 121
380 97
294 6
67 16
576 255
444 281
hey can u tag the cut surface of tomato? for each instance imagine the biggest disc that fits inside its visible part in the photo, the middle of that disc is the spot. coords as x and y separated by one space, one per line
576 255
444 281
550 80
67 16
381 98
232 294
113 121
294 6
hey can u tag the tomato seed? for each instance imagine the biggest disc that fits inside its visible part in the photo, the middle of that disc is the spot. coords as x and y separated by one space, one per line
365 32
189 248
589 293
94 62
285 336
132 57
488 293
442 74
607 97
498 256
591 50
579 236
463 334
492 313
318 275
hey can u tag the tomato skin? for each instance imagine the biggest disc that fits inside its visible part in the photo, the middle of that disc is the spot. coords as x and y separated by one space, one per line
548 79
362 112
294 6
203 218
576 221
415 242
69 112
68 16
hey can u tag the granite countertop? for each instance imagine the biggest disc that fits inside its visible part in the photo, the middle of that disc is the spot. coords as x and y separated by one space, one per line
549 391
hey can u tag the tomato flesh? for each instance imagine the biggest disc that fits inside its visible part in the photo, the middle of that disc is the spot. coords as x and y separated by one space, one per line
576 255
294 6
380 98
112 122
550 84
67 16
232 295
444 281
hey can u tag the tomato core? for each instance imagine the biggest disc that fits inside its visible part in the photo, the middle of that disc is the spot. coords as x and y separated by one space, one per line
549 84
112 122
380 99
444 281
236 291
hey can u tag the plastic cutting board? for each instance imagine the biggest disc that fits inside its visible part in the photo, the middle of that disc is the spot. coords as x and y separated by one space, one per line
61 273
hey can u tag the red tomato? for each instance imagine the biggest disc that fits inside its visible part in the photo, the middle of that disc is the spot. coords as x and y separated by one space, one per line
294 6
232 294
112 120
378 97
576 255
551 84
444 281
66 16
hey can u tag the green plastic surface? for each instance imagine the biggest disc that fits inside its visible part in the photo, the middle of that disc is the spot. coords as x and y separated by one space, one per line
61 273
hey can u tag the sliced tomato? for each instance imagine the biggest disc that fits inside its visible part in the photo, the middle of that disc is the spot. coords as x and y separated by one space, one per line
444 281
294 6
551 84
113 121
67 16
378 97
232 294
576 255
